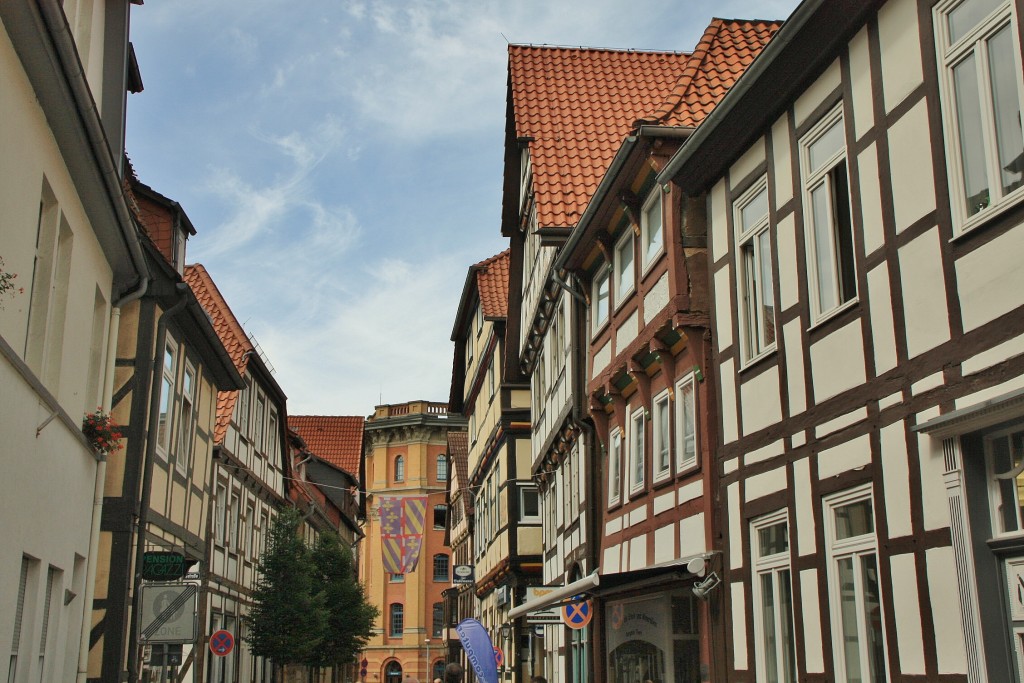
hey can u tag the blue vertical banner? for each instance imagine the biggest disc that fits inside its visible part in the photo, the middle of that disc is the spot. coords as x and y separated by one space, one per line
479 649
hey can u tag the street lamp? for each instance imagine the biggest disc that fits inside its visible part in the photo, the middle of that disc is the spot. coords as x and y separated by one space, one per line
506 632
430 674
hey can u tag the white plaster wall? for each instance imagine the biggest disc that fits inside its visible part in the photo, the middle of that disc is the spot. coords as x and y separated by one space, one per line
739 630
637 553
735 526
690 491
896 479
997 354
665 543
722 319
610 560
816 94
837 362
913 183
765 452
766 483
924 307
883 329
851 455
627 332
746 164
806 541
990 281
656 299
815 657
792 333
718 212
860 84
782 160
727 378
949 640
841 422
901 50
663 502
691 535
759 401
789 281
907 612
601 359
934 501
870 198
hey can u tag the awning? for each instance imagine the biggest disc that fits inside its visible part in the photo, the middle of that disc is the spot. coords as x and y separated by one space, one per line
978 416
597 583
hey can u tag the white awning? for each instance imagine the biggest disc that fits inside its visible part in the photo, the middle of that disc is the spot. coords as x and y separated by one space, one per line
975 417
557 595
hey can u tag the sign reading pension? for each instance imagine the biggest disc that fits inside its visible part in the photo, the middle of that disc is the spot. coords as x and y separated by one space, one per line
168 613
163 566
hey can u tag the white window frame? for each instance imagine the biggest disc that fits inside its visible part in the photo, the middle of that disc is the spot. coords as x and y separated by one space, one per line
949 55
168 391
636 448
490 378
775 566
996 499
856 549
622 286
686 431
661 435
600 314
399 466
821 178
649 256
186 419
615 448
750 285
523 492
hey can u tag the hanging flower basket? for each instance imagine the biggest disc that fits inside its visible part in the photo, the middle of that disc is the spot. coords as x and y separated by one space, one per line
103 433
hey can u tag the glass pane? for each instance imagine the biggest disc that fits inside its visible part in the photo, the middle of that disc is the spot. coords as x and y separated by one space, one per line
972 142
662 410
821 213
1006 105
855 519
169 357
767 291
624 276
1003 461
750 299
787 641
653 219
771 662
638 450
164 423
873 618
754 211
848 617
602 299
968 15
826 146
689 435
772 540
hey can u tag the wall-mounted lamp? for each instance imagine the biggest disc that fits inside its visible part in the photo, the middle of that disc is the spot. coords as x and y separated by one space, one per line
703 588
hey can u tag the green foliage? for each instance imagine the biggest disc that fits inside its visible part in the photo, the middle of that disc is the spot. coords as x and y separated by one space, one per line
350 617
289 620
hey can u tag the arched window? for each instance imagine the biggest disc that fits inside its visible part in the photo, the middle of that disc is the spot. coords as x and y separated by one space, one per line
440 567
399 468
439 669
442 467
397 627
393 672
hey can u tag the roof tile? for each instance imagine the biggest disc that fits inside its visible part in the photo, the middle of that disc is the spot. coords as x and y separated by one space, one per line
338 439
492 284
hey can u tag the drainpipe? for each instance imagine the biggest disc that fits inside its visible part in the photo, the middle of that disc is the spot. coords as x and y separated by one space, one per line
147 477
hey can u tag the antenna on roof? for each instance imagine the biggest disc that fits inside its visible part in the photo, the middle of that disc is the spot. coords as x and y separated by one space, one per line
507 41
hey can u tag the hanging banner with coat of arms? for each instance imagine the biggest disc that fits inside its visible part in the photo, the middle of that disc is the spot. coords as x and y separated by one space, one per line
401 531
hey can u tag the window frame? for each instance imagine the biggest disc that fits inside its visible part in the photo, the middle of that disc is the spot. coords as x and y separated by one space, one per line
399 468
442 467
168 394
684 383
440 509
187 419
620 289
396 620
441 560
854 548
636 450
615 452
995 494
752 302
602 277
814 178
524 491
772 565
661 444
648 258
948 55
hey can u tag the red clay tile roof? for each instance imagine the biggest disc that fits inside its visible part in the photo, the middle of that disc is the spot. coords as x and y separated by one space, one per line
231 334
492 285
720 58
338 439
578 104
458 456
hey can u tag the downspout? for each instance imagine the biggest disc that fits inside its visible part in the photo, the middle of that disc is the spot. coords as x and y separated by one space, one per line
147 477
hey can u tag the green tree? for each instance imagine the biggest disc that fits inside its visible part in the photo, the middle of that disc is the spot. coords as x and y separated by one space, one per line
288 619
350 617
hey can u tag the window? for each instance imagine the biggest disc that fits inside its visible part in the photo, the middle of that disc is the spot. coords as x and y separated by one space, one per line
437 620
650 228
636 451
243 409
599 300
259 435
397 621
440 567
661 437
166 405
1005 453
220 511
186 419
854 584
686 422
479 319
27 566
442 467
614 465
830 259
757 315
773 600
233 523
490 378
529 504
399 468
440 516
624 271
980 85
396 578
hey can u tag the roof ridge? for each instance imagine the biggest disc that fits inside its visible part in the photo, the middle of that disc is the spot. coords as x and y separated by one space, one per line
697 57
223 306
588 48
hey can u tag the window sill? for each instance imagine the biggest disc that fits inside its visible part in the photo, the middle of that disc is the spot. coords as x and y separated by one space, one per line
833 313
646 268
689 468
601 327
979 221
758 359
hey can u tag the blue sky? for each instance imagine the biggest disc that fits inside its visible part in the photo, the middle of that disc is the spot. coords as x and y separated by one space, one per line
341 161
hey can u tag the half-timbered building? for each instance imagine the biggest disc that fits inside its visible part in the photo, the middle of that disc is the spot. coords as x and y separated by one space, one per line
864 206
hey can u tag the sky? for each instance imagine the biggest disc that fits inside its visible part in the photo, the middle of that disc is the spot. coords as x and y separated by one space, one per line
341 161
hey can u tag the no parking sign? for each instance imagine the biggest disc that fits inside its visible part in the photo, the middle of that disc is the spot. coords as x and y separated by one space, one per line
577 614
222 643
